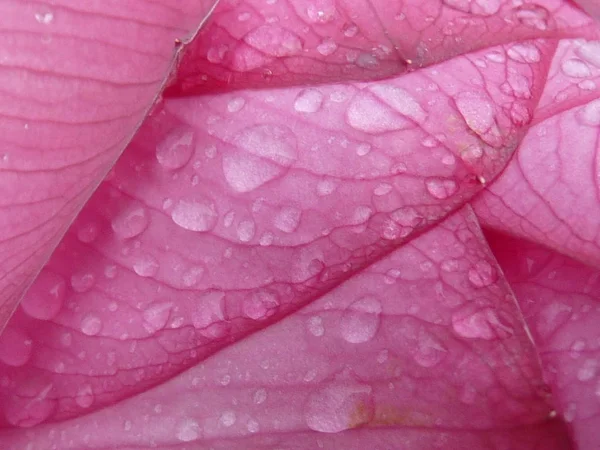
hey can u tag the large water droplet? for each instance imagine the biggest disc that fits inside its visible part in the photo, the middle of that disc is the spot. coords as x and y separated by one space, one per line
482 274
524 52
176 149
130 222
188 430
360 321
195 215
400 100
477 111
91 324
339 407
320 11
368 114
246 230
590 51
441 188
308 101
45 297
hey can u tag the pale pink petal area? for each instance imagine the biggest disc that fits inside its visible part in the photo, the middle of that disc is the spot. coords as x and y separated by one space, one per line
560 299
72 97
229 212
426 348
592 7
549 192
259 43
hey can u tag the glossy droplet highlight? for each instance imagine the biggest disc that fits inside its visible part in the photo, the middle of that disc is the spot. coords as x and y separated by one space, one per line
91 325
176 149
45 298
339 407
130 222
195 215
575 68
145 266
360 320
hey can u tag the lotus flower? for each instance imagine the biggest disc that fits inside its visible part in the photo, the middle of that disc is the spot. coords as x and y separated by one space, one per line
300 224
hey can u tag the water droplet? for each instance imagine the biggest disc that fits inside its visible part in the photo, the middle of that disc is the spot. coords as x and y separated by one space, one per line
44 17
524 52
228 418
360 320
91 324
590 113
176 149
484 323
588 370
195 215
274 40
209 310
225 380
350 30
287 219
260 396
88 233
382 189
370 115
82 282
533 16
45 298
363 149
496 56
315 326
156 316
260 305
366 61
188 430
326 187
441 188
575 68
253 426
246 230
590 51
110 271
339 407
429 351
266 239
383 356
85 396
407 216
308 100
327 47
130 222
482 274
235 104
146 266
477 111
15 347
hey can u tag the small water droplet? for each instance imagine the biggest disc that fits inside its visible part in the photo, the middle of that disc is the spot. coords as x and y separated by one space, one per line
156 316
441 188
339 407
260 396
588 370
46 296
235 104
253 426
44 17
590 113
88 233
482 274
188 430
91 325
195 215
360 320
176 149
382 356
260 305
287 219
85 396
315 326
382 189
228 418
479 323
350 30
327 47
146 266
246 230
82 282
363 149
308 100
